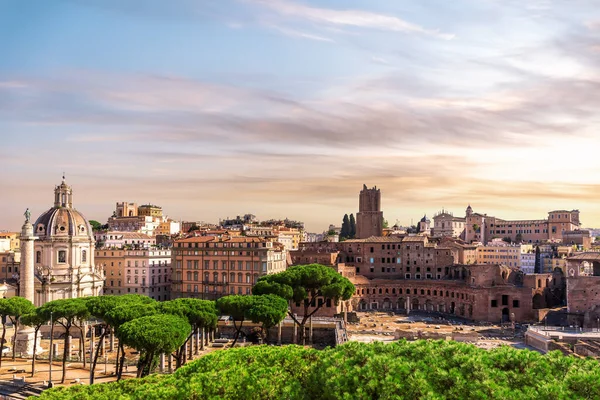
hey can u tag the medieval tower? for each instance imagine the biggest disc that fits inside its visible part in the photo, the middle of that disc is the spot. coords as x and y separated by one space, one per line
369 220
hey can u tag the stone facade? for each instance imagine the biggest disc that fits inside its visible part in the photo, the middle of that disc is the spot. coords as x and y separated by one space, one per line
483 228
142 271
369 219
210 267
583 297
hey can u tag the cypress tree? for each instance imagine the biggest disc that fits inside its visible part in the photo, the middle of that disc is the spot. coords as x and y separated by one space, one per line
345 232
352 226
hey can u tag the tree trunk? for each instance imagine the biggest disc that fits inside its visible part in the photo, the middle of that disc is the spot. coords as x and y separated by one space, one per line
122 363
93 366
237 332
15 326
82 345
2 341
65 352
34 348
117 360
147 370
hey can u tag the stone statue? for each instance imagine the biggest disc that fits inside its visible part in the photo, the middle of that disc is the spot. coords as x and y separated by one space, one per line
27 215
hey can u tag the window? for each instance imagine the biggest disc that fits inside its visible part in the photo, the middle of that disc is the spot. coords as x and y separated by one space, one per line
515 303
62 256
504 300
38 257
494 303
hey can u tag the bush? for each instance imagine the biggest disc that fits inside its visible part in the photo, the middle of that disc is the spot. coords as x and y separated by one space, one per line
409 370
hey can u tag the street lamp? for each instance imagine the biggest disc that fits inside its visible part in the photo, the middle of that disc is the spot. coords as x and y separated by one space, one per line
50 358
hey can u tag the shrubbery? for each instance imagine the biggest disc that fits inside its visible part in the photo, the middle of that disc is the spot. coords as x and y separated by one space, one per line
409 370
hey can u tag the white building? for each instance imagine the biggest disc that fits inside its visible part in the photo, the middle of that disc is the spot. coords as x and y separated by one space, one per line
116 239
64 252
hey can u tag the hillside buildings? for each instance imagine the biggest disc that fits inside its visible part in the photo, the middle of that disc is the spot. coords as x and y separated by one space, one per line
441 273
145 271
147 219
210 267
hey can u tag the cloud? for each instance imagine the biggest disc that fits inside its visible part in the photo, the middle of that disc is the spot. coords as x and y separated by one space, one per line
299 34
350 18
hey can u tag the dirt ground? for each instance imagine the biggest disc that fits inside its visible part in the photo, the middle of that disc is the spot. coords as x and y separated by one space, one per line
76 374
380 326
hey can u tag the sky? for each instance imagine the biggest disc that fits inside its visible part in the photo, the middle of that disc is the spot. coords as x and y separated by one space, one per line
285 108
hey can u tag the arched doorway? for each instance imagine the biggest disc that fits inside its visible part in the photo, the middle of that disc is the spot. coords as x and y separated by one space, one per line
387 304
442 308
428 305
362 305
401 304
505 315
415 304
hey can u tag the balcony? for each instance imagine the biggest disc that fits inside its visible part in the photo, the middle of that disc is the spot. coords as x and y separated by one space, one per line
215 283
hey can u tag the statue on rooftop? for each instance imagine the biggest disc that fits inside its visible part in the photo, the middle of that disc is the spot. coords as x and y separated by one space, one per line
27 215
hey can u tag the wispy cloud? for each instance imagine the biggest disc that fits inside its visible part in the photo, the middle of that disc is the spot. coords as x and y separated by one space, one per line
350 18
299 34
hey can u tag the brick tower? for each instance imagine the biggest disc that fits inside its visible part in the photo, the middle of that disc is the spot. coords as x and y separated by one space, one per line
369 220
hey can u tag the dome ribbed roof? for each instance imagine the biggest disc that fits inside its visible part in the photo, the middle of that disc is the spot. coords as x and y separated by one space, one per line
62 222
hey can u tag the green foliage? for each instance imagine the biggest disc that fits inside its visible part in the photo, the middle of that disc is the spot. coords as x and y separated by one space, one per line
129 311
95 225
305 282
385 224
268 310
153 335
352 226
236 306
402 370
345 231
19 306
199 313
156 334
66 311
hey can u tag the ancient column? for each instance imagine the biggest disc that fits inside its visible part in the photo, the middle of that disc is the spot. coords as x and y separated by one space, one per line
24 342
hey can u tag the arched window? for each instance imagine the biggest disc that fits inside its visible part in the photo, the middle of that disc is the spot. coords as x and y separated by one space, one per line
224 275
83 256
189 276
216 277
240 278
232 277
247 278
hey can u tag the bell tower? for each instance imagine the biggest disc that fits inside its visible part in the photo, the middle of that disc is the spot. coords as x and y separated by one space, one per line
63 195
369 219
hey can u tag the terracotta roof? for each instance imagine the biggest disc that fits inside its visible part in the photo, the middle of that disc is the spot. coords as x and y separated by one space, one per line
414 239
588 256
375 239
359 279
224 239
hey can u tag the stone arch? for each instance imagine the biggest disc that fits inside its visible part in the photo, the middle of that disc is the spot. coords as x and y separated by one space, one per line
401 303
415 304
387 304
362 305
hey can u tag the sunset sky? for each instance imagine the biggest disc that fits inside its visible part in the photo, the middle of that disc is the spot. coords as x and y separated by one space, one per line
285 108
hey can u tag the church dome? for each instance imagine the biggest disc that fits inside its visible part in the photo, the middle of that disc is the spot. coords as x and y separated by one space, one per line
62 220
425 219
